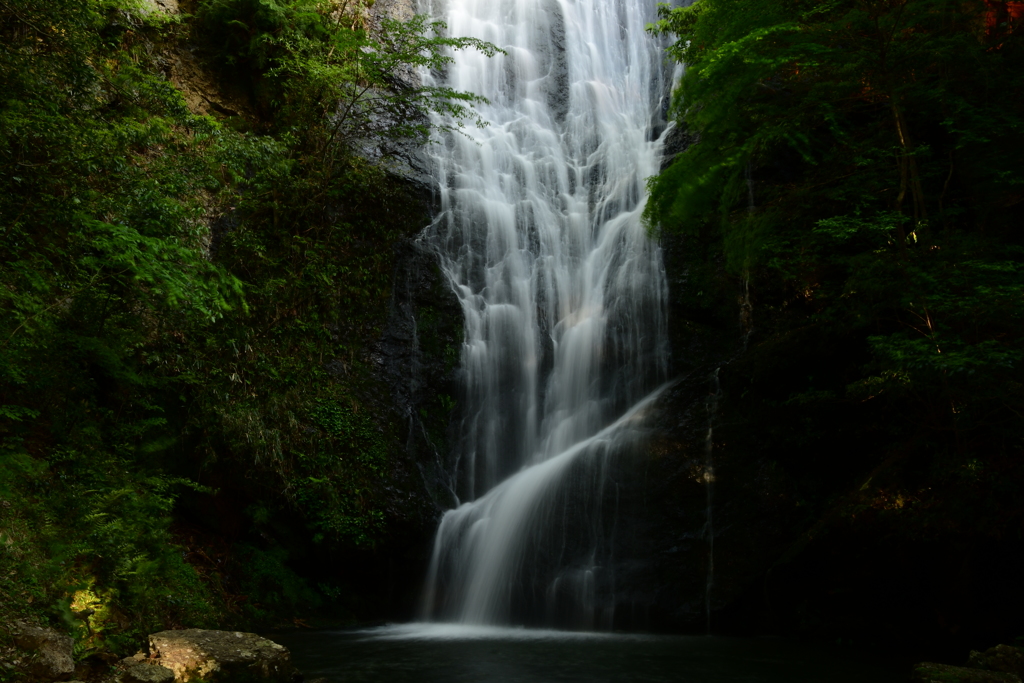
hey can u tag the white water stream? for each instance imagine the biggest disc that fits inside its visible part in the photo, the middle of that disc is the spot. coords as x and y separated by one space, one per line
563 294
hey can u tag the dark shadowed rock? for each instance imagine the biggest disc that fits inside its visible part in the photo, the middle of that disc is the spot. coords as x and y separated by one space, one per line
147 672
51 652
677 141
1005 658
229 656
929 672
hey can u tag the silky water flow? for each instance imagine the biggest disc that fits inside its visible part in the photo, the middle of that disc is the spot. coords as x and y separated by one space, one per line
540 235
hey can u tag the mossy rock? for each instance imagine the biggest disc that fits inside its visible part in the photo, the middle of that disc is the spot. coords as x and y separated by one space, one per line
930 672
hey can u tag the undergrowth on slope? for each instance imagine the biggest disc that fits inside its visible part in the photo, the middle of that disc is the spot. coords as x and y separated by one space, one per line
185 305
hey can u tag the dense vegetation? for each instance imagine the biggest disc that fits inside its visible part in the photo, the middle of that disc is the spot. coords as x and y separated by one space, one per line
857 171
185 301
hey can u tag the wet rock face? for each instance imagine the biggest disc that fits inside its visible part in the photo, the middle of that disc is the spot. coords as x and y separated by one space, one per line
51 652
394 10
228 656
400 10
165 6
670 564
404 159
418 358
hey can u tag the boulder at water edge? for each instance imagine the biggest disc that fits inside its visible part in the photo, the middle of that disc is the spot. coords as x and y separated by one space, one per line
50 658
221 656
929 672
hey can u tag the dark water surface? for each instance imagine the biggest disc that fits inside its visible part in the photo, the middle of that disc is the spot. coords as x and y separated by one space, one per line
439 653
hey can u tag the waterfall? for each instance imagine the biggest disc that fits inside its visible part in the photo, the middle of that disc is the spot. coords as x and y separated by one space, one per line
563 294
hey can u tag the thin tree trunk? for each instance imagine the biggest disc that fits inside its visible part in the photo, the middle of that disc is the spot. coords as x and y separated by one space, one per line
910 177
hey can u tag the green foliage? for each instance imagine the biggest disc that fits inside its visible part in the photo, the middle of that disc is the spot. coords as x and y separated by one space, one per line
328 80
841 92
340 484
355 85
243 31
179 298
102 172
81 532
309 233
860 164
272 587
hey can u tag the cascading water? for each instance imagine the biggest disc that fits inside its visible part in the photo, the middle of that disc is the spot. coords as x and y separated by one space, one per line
563 292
